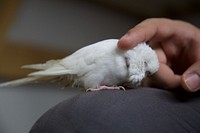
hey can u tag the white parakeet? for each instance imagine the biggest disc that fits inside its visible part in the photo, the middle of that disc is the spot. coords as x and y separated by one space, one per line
98 66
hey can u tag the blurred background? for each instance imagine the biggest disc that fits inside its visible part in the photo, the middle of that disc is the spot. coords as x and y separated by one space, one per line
33 31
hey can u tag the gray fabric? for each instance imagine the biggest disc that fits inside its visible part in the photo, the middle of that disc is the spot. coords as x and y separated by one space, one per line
141 110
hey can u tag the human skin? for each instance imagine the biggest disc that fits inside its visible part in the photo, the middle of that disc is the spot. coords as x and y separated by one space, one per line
177 45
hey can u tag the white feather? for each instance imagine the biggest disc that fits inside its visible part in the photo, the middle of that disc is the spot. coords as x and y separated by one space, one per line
43 66
101 63
18 82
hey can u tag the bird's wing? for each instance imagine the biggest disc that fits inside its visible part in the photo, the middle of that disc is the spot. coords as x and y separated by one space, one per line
79 62
89 57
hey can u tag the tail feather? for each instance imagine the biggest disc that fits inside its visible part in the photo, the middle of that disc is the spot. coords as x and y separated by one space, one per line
19 82
35 66
52 73
44 66
51 70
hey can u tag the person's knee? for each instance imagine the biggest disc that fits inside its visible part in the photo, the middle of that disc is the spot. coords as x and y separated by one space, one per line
114 111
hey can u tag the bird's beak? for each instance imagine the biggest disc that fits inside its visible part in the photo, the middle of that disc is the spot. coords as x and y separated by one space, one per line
147 74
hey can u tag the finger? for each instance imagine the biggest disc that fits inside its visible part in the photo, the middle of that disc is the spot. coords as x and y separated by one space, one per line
191 78
165 78
140 33
146 31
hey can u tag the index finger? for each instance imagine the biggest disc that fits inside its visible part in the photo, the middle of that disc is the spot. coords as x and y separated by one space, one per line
144 32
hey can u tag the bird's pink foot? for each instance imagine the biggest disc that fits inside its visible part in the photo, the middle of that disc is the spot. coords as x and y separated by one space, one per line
106 88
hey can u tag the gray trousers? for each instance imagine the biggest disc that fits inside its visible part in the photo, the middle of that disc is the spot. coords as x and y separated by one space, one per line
140 110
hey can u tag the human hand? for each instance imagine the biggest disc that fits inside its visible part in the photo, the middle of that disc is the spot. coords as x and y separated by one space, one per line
177 45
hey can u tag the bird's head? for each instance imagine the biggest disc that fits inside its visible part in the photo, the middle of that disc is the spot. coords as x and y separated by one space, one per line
143 62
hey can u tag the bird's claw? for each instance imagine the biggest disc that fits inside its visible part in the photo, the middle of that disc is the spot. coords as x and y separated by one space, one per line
106 88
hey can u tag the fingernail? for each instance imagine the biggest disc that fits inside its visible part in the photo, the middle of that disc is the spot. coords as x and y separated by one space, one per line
126 36
193 82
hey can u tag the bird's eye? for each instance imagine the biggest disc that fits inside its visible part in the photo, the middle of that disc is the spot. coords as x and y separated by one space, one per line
147 73
145 64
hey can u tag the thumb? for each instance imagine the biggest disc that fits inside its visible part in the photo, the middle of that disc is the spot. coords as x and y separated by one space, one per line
191 78
164 78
